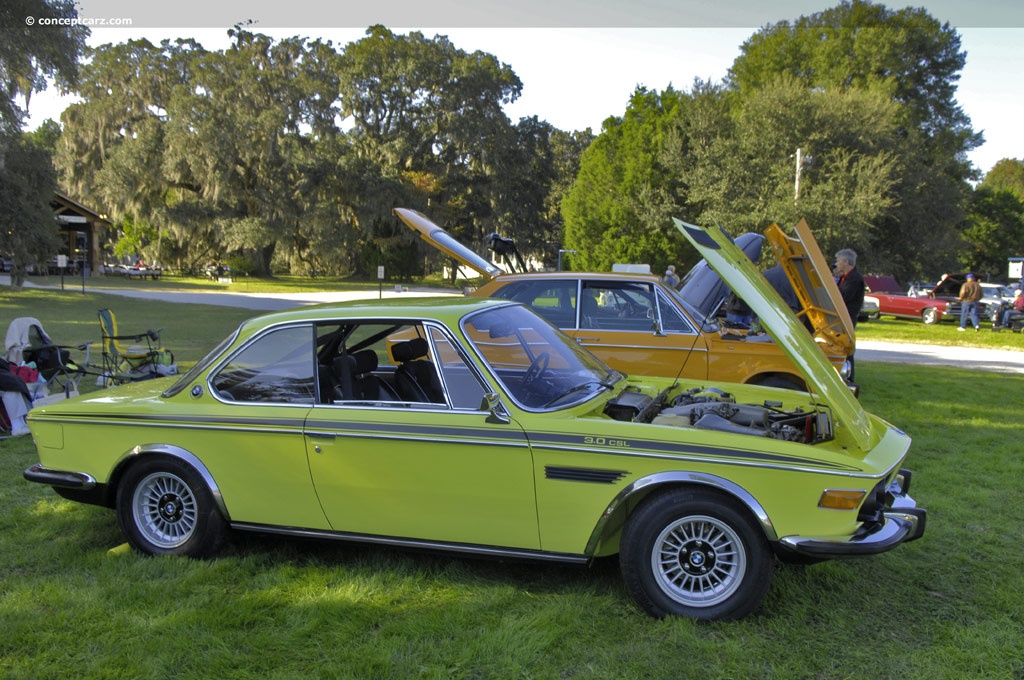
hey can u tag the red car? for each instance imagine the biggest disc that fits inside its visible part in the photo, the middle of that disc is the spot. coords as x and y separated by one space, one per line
893 301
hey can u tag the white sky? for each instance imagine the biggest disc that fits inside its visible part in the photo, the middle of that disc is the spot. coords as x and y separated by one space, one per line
580 60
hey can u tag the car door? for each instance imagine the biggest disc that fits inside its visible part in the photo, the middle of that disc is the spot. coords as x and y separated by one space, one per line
444 472
248 429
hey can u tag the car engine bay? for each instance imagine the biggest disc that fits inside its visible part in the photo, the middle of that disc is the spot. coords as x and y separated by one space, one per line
710 408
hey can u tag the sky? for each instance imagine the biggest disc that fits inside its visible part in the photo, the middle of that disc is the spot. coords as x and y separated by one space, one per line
580 60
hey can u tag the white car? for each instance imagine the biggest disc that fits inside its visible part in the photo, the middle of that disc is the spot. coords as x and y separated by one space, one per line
870 309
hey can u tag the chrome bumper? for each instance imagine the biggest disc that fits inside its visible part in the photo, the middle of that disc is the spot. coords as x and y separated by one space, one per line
58 478
901 521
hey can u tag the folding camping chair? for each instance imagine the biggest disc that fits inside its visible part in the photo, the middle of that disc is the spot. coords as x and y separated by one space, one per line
138 361
58 374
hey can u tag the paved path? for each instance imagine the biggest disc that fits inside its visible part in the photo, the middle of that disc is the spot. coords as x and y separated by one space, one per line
268 302
1001 360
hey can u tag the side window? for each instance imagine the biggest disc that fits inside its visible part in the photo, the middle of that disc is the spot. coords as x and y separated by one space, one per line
276 368
672 318
616 306
460 381
555 300
378 364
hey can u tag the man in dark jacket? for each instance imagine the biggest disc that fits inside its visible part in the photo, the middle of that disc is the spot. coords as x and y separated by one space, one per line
851 283
851 287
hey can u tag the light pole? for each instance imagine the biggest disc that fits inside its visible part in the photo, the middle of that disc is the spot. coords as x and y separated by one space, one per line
801 162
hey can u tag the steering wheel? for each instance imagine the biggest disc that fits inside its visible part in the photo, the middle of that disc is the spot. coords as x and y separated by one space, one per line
536 369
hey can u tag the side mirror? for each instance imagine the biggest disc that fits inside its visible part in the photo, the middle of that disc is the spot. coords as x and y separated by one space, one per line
492 403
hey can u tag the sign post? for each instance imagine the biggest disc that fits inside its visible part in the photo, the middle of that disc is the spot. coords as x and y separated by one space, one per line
62 263
380 281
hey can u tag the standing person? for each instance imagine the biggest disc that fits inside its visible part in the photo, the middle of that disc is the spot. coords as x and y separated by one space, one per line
970 293
851 288
850 281
671 279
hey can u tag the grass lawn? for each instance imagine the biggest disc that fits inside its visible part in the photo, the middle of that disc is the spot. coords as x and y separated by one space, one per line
950 605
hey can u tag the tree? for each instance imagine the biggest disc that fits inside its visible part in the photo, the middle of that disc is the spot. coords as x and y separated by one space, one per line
202 155
914 61
741 168
1006 175
31 53
429 115
995 231
619 207
29 232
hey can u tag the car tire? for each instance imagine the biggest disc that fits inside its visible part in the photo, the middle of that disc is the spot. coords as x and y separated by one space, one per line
695 554
930 315
165 508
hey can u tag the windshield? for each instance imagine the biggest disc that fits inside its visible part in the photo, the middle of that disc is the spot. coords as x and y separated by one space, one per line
538 366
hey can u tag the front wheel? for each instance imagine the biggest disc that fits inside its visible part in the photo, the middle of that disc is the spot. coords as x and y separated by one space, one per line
696 554
165 508
930 315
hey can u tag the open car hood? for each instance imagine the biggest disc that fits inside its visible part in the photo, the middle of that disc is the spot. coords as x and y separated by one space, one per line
789 333
949 285
808 273
812 280
443 241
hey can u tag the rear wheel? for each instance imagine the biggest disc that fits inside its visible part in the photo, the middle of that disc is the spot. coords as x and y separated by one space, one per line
694 553
930 315
165 508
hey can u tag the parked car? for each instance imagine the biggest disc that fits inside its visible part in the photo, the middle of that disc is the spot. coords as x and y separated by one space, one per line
638 325
870 310
473 425
893 301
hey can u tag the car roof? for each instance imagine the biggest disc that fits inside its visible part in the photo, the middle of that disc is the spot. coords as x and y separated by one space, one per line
602 276
447 308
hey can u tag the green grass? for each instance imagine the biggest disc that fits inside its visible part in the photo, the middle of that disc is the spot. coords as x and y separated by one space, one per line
890 329
950 605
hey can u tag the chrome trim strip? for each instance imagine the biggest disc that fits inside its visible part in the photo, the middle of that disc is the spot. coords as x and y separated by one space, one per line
465 548
606 345
385 437
697 478
716 459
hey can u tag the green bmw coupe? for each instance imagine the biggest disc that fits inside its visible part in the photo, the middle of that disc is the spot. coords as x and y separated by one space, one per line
473 425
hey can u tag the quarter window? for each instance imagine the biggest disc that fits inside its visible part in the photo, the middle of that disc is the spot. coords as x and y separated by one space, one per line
554 300
672 320
275 368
